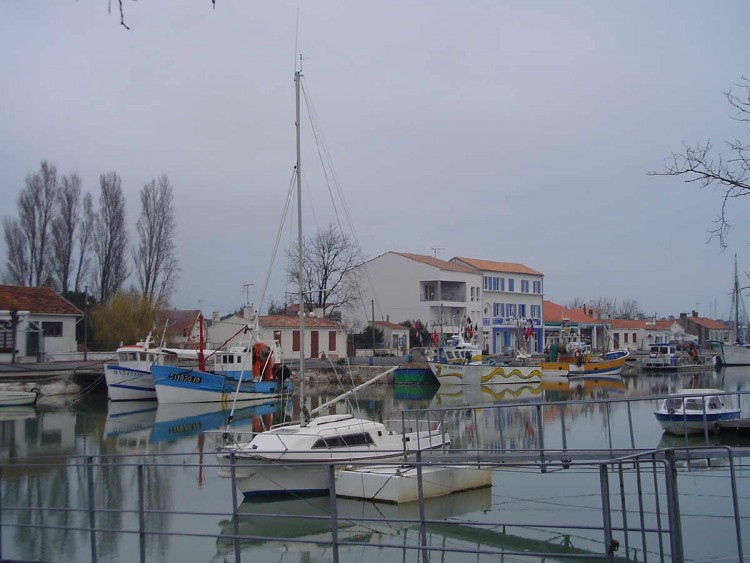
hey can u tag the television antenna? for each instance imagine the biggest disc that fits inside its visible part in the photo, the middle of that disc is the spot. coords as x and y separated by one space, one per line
435 250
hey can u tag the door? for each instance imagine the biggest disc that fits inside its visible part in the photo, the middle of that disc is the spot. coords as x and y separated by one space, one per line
314 347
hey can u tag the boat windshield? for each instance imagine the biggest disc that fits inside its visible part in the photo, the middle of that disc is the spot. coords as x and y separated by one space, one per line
673 404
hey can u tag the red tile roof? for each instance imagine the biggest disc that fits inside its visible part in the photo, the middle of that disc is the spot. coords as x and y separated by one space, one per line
709 323
490 266
554 313
437 263
392 326
178 320
41 300
280 321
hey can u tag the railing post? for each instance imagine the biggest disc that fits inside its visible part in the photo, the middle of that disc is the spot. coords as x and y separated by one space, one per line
235 517
1 512
141 515
562 425
735 505
334 511
540 432
623 505
420 499
606 512
673 507
92 506
630 426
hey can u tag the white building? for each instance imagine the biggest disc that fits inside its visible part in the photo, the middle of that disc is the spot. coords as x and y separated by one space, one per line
500 297
45 324
408 287
323 337
512 296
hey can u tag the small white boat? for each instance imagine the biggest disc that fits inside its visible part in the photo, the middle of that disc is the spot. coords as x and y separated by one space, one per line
661 356
18 398
295 458
690 411
129 377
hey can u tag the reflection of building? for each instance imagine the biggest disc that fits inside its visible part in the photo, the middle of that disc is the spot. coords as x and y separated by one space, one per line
48 434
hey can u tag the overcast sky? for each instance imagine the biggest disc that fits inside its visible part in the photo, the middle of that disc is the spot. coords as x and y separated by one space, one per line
510 131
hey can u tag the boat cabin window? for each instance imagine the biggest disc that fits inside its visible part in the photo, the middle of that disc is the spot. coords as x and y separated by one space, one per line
360 439
128 356
673 404
714 403
143 356
694 404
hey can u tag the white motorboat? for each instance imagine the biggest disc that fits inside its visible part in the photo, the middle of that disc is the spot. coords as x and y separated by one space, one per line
298 457
18 398
691 411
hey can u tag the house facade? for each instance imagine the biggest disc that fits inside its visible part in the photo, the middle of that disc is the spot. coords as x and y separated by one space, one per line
511 297
323 337
36 324
706 330
576 325
413 287
501 298
395 337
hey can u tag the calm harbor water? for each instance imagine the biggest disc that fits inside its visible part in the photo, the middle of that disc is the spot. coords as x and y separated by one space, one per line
44 451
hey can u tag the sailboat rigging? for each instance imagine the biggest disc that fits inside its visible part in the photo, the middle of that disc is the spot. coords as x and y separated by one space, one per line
296 457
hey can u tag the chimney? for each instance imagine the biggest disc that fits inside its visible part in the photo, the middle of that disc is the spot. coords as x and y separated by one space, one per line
695 314
247 312
683 315
215 317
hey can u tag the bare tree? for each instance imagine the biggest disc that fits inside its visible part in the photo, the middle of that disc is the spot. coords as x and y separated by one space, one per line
731 174
64 226
110 239
36 204
155 260
330 258
17 266
629 309
85 240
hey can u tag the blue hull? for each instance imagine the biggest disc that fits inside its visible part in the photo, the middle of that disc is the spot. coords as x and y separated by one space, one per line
180 385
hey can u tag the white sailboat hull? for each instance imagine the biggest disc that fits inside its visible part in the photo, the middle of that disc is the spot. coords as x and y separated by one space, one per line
734 355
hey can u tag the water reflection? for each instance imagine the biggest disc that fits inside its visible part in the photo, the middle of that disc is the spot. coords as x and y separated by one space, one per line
272 521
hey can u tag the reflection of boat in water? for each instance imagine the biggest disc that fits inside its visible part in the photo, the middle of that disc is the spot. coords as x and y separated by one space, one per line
17 413
734 378
460 395
276 519
124 417
731 439
582 387
414 392
180 420
18 398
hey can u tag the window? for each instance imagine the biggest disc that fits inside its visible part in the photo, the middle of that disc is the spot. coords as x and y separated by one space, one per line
498 309
626 337
536 311
522 310
362 439
511 284
6 340
524 286
429 292
295 341
52 328
634 340
511 310
536 287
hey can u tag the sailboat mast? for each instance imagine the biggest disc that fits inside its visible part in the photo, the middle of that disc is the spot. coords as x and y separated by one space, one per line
736 294
300 254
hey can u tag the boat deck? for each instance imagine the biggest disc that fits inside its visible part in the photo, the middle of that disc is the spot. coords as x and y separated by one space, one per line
738 425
